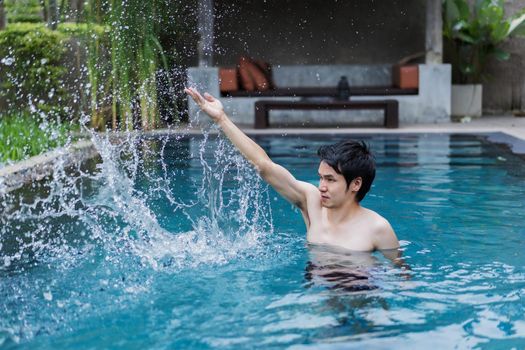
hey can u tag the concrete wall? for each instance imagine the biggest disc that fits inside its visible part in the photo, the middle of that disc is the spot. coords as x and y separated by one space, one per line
290 32
431 105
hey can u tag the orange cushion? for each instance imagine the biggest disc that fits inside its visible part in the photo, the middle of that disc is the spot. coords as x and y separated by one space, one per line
247 82
266 68
228 80
252 77
261 83
406 77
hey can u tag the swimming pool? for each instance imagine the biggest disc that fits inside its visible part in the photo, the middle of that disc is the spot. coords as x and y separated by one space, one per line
172 242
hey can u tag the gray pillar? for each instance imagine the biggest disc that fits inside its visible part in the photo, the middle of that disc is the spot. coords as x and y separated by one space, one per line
2 15
206 33
434 33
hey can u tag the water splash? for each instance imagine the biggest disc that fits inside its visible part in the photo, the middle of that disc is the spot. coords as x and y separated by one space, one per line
113 218
109 205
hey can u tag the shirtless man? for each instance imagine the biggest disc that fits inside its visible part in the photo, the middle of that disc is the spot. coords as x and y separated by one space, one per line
331 211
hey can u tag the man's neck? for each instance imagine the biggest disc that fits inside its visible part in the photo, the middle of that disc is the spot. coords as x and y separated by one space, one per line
343 213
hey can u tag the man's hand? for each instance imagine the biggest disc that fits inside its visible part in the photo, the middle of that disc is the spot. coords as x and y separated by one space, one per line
208 104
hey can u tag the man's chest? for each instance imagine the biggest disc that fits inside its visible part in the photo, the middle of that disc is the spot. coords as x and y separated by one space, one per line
353 238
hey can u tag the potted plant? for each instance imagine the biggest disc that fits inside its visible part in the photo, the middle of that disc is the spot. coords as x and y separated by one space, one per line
473 32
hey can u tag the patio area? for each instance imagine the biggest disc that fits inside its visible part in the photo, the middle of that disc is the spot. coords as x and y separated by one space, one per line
317 44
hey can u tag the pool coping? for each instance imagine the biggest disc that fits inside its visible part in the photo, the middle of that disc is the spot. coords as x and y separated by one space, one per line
39 167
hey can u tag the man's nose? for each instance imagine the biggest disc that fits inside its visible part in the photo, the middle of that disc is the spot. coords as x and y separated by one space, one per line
322 186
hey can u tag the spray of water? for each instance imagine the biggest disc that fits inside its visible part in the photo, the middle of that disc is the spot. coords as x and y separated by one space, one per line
109 206
164 203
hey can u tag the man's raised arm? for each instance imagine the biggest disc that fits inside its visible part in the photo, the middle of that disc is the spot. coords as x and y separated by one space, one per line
275 175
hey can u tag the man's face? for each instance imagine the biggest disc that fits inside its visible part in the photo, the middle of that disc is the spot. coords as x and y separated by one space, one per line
333 187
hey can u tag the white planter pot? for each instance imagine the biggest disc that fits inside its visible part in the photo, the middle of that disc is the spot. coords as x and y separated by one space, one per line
466 100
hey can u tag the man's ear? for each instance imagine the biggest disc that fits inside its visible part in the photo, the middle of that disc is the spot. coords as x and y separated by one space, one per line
356 184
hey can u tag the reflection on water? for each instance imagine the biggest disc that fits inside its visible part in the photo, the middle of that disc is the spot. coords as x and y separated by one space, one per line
340 269
345 270
339 276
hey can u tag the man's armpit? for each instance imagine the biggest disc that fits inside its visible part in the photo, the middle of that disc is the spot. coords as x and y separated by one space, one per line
311 194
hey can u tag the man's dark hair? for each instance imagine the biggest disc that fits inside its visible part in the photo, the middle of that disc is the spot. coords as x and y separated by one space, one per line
351 159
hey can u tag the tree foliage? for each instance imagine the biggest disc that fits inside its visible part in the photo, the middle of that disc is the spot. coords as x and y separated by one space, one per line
29 11
474 33
128 51
31 74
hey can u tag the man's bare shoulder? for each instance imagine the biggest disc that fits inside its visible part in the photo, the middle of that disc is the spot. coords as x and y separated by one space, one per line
383 233
313 197
374 217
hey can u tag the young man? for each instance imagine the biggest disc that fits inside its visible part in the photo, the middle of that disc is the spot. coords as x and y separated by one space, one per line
331 212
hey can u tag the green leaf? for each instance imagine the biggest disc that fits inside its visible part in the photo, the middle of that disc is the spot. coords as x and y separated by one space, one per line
460 25
490 14
480 4
499 32
463 8
466 38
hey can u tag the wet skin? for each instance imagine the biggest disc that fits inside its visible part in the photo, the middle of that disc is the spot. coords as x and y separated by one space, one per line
334 217
331 212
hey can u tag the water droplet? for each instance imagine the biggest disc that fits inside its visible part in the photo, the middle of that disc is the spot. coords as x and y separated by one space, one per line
48 296
7 61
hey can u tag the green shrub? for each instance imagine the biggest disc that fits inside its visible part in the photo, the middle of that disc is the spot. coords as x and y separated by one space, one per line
43 70
23 11
23 135
30 72
91 30
92 51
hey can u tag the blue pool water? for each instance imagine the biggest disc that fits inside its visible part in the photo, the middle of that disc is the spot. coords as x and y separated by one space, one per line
173 243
